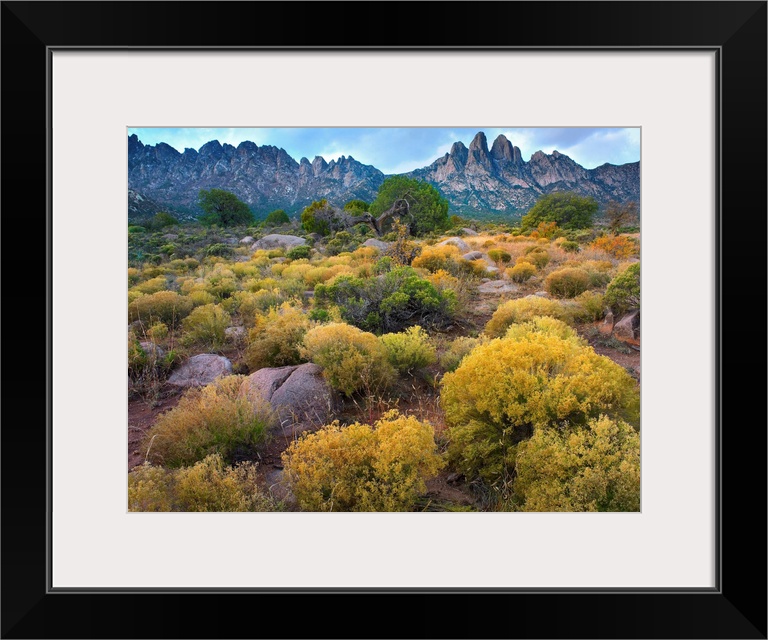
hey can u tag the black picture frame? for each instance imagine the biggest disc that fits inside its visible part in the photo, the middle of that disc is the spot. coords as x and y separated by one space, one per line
736 608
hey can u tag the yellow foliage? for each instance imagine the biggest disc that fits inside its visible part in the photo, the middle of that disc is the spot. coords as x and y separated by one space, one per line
620 247
410 350
443 257
213 419
209 485
206 326
595 468
506 389
167 307
522 310
363 468
521 272
352 359
276 337
567 283
160 283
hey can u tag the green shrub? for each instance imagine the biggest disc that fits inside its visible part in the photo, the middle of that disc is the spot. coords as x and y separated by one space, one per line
167 307
208 485
623 292
535 255
567 283
522 310
135 228
342 241
409 350
507 389
363 468
298 253
147 368
595 468
206 326
218 249
276 338
352 360
570 246
213 419
398 299
499 256
276 218
521 272
591 306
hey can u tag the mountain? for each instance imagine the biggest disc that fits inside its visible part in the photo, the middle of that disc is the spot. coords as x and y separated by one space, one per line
265 177
476 180
499 180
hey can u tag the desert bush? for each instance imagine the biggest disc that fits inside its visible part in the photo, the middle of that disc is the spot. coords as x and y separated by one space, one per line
213 419
569 246
456 351
591 306
620 247
623 293
276 337
537 256
544 325
157 332
521 272
341 242
410 350
595 468
297 253
206 326
507 389
153 285
391 302
200 297
147 368
522 310
500 256
219 249
352 360
208 485
361 467
167 307
567 283
134 275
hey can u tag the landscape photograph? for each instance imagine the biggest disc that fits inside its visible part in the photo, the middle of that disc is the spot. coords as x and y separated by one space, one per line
384 319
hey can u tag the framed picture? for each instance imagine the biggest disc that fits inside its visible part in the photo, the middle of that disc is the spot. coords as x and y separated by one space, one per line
691 76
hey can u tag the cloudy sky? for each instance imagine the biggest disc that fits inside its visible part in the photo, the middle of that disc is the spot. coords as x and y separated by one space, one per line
397 150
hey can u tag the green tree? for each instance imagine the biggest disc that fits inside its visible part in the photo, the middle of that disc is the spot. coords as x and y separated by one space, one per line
161 219
276 218
412 199
569 210
223 208
316 217
357 206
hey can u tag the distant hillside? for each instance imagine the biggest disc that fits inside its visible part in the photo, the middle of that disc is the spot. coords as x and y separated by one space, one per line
475 180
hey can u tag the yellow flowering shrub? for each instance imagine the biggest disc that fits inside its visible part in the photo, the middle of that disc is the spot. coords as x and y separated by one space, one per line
457 350
409 350
352 359
506 389
595 468
567 283
153 285
212 419
167 307
361 467
276 337
521 272
208 485
522 310
205 326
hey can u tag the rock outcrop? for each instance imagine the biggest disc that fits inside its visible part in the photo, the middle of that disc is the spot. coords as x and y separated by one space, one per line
200 370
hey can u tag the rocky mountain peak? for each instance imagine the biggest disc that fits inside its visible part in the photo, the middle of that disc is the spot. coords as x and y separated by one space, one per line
503 150
479 143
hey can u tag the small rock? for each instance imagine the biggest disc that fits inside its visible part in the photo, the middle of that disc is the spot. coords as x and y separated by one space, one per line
376 244
541 294
278 487
606 326
492 269
497 286
457 242
469 232
150 348
628 328
473 255
279 241
247 240
200 370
